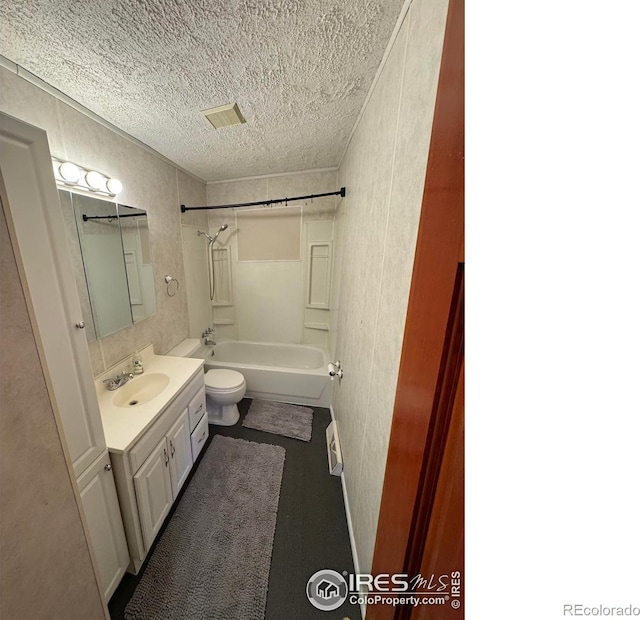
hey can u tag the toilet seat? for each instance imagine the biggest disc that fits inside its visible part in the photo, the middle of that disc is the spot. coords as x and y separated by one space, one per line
221 380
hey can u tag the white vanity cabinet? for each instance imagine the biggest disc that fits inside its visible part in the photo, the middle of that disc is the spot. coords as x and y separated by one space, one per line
151 470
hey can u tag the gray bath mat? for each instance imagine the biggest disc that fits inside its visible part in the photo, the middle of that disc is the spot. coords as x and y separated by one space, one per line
280 419
213 559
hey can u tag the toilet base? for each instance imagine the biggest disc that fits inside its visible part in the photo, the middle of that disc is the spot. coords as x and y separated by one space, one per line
223 415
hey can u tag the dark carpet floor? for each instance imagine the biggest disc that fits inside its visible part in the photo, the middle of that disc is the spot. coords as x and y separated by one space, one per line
311 529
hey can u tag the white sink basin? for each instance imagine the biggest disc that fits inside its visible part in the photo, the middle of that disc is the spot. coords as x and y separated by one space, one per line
141 390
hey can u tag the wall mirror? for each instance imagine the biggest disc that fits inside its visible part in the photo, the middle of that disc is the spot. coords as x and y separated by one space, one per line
110 252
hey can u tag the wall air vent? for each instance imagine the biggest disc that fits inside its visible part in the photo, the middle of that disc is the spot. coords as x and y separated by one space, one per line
334 452
224 116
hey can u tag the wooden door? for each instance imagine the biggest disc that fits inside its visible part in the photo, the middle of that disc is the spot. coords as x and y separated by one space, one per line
153 492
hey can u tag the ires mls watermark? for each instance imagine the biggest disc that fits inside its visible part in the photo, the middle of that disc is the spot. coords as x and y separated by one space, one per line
327 589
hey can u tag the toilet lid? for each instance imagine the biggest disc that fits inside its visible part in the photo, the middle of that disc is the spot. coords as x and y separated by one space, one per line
223 379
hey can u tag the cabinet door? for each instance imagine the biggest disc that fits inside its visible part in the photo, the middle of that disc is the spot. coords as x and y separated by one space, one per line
179 442
37 227
153 492
102 510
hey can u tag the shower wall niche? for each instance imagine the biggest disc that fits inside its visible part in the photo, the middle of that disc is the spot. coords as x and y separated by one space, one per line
318 282
318 241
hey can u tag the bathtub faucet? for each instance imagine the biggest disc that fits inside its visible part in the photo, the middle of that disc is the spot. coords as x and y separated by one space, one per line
207 333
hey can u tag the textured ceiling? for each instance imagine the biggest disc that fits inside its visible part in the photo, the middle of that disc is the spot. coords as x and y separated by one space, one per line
298 69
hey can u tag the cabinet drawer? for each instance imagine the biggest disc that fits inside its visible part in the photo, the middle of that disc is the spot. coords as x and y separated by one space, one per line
199 437
197 408
142 449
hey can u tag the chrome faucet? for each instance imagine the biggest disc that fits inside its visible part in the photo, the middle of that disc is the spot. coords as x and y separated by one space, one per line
118 381
210 331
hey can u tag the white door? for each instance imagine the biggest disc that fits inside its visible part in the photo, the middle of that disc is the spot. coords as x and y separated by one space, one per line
100 503
153 492
179 438
37 230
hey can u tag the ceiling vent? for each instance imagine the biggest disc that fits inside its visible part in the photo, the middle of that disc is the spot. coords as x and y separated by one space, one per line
224 116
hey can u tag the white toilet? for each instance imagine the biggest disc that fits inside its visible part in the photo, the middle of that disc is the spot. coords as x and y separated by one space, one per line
224 388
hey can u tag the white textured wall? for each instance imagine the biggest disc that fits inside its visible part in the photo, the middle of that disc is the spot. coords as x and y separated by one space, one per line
269 296
149 182
376 226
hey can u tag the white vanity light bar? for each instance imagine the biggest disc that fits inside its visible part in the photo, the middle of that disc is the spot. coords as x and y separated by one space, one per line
71 175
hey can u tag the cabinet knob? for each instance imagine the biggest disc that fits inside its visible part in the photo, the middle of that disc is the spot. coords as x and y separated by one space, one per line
107 467
80 324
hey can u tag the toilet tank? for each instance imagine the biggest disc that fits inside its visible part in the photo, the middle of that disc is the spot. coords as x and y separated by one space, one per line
186 348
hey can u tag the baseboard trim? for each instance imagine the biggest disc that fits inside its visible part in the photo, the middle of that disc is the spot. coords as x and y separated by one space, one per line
352 540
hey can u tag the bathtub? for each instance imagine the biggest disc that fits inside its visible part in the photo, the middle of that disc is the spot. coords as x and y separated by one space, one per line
289 373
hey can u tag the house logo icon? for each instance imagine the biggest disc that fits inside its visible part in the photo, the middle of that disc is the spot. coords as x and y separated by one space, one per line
327 590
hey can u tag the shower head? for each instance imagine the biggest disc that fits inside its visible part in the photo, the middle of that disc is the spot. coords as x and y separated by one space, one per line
209 237
223 227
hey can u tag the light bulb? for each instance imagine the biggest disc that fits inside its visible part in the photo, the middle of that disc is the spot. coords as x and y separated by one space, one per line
95 180
69 172
114 186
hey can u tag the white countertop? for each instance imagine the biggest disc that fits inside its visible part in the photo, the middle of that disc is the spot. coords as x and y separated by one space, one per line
123 426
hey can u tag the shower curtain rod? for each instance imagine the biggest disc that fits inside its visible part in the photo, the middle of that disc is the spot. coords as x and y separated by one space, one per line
86 218
341 192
